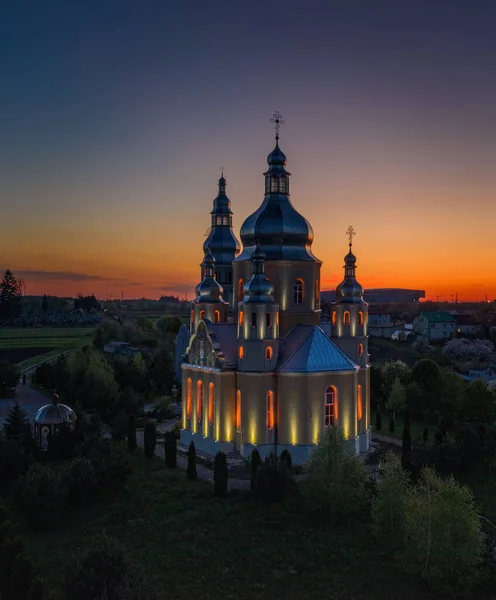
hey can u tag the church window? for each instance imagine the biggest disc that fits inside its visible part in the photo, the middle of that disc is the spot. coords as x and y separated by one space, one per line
254 319
270 410
202 314
216 316
283 185
359 402
267 184
268 353
274 184
238 410
317 292
199 400
241 353
331 406
225 221
360 317
360 349
189 398
241 318
268 320
211 403
192 316
334 318
219 220
240 289
346 318
277 318
298 291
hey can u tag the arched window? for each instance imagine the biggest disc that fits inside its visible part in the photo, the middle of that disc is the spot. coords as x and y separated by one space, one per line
331 406
241 353
202 314
360 317
298 291
359 403
254 319
240 289
270 410
274 184
268 353
346 318
216 316
225 221
199 400
192 316
317 292
283 185
189 395
238 410
360 349
334 318
268 320
219 220
277 318
241 318
211 403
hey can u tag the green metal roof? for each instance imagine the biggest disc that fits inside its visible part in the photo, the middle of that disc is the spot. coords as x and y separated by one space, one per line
438 317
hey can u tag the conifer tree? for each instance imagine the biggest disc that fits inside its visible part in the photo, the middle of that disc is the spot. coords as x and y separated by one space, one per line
16 425
407 438
378 420
221 475
44 303
285 458
150 440
171 450
131 434
191 469
10 296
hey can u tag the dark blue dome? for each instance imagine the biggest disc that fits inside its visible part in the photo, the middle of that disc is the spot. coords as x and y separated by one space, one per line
276 157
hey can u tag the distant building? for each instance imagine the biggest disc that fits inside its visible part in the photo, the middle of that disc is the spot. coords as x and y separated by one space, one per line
376 295
122 348
435 326
466 324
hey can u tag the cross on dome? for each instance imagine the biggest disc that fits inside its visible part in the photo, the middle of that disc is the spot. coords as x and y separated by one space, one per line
350 232
276 118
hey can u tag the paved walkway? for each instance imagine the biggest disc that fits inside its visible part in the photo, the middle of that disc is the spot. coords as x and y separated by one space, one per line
386 440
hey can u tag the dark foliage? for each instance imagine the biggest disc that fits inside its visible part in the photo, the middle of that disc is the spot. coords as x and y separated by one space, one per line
407 435
255 460
171 450
9 377
21 578
85 303
80 478
62 444
35 592
286 458
110 459
150 438
16 427
9 552
378 420
425 435
10 296
191 469
132 444
221 475
272 480
392 426
15 460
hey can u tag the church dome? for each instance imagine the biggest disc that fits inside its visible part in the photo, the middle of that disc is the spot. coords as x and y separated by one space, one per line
209 289
55 414
258 289
349 290
284 234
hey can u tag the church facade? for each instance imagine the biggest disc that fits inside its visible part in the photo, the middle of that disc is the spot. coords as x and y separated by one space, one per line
258 369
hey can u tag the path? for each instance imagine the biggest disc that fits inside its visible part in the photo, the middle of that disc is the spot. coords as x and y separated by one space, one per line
386 440
27 397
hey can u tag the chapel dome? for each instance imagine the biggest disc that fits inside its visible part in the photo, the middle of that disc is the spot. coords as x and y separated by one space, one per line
349 291
55 414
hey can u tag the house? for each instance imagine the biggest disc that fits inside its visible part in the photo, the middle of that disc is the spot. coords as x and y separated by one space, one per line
435 326
466 324
486 375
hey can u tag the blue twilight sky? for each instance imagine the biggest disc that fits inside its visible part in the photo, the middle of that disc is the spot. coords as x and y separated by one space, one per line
115 117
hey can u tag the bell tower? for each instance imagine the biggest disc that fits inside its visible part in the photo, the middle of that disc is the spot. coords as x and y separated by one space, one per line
258 321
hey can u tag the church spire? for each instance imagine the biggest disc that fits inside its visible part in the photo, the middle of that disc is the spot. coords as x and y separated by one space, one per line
349 290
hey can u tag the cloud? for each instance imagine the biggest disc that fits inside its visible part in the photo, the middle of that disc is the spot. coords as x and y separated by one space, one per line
38 274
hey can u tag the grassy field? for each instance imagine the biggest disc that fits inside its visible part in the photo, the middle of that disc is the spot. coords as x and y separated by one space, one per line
29 345
193 545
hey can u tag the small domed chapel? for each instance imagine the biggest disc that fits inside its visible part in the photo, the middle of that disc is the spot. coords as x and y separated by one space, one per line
259 370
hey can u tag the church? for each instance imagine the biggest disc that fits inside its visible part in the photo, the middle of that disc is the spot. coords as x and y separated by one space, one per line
258 368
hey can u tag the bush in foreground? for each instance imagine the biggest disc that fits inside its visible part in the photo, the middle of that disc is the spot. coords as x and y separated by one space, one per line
170 450
221 475
191 468
150 438
81 479
272 480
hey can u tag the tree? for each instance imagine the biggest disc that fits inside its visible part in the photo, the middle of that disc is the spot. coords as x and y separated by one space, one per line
443 537
191 468
131 434
21 578
336 476
171 449
286 458
9 377
10 296
44 303
378 420
396 399
388 508
16 424
428 375
392 370
477 403
221 475
150 438
35 592
406 438
10 550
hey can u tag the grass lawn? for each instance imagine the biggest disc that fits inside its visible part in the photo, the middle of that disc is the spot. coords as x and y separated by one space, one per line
416 427
29 345
192 545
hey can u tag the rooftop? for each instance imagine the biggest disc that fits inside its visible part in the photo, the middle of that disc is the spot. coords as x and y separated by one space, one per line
438 317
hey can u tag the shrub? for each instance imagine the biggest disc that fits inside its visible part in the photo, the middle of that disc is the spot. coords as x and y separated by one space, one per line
255 460
81 479
337 477
21 577
111 462
177 429
444 541
378 420
62 445
131 434
286 458
104 571
388 508
391 425
425 435
191 468
272 480
170 450
35 592
10 550
150 438
43 496
221 475
406 445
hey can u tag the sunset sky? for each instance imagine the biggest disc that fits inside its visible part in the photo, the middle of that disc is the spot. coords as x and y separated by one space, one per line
116 116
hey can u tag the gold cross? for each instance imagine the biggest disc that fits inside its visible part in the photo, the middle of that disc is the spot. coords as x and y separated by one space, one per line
350 232
276 118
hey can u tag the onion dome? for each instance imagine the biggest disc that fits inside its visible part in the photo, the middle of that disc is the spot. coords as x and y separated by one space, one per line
221 239
349 290
258 289
283 233
209 289
55 414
